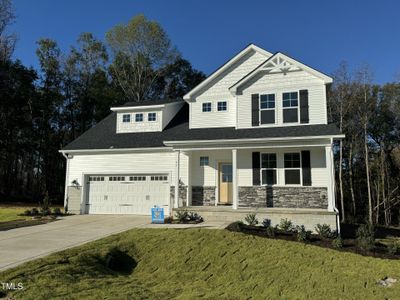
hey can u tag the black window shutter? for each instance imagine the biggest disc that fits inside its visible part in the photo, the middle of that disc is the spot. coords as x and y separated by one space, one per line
255 121
304 118
306 167
256 168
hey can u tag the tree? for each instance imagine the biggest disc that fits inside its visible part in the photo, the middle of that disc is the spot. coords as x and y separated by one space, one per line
141 49
7 40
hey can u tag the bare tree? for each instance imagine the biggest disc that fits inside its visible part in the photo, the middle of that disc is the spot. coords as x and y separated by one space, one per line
7 40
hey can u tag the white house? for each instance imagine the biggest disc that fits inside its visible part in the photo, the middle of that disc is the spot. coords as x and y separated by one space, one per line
253 136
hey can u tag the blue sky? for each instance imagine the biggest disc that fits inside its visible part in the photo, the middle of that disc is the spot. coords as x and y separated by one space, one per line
208 33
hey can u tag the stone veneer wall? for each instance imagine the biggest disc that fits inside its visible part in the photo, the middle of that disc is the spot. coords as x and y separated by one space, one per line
203 195
182 194
285 197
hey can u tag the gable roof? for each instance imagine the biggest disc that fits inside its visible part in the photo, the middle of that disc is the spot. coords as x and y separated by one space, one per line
280 62
103 136
225 66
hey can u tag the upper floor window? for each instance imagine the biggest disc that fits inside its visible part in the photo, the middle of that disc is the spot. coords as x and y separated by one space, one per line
267 109
207 107
152 116
126 118
139 117
268 168
290 107
292 166
222 106
204 161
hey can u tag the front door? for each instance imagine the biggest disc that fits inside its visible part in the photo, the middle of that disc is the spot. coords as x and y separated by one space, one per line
225 183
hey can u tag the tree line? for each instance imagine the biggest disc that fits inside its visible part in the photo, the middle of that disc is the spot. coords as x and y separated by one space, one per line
43 110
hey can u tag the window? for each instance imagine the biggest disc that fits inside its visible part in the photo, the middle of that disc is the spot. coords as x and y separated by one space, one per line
267 109
116 178
126 118
222 106
290 107
226 173
207 107
137 178
159 178
139 117
292 166
204 161
268 168
151 117
96 178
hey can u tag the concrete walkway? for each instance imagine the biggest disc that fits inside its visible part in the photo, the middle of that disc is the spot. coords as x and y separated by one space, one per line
24 244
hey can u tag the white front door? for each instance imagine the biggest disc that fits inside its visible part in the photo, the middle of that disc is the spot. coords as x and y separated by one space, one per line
127 194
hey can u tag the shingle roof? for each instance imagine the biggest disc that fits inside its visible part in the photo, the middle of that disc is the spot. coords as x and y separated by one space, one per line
152 102
104 136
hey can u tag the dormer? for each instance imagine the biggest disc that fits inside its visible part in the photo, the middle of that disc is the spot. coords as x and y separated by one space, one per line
150 116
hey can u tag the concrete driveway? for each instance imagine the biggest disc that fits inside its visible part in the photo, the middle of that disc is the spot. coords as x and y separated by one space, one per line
27 243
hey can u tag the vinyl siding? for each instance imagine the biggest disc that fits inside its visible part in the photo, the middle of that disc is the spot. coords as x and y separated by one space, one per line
278 84
219 91
144 126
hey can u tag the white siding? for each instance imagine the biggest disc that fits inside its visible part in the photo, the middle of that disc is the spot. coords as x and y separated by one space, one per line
156 162
144 126
218 91
278 84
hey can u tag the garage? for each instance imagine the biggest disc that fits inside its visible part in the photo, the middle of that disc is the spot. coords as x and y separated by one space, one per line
127 194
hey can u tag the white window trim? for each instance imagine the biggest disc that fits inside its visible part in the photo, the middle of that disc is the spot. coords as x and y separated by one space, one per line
261 109
298 108
222 111
276 169
142 117
207 111
130 118
300 170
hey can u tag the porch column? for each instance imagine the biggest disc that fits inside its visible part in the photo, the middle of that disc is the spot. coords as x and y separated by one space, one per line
234 180
177 175
189 179
331 177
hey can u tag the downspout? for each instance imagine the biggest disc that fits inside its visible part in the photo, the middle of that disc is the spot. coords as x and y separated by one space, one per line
66 181
334 190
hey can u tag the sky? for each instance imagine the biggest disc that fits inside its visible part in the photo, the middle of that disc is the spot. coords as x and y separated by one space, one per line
320 34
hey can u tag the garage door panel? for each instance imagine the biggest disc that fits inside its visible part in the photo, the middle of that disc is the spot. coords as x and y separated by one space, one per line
127 194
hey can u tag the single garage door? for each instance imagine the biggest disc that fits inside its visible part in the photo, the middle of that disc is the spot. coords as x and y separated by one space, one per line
127 194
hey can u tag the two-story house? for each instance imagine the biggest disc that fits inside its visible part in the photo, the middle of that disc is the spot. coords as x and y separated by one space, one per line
253 136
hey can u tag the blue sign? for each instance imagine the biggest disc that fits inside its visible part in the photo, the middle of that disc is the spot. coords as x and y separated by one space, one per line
157 215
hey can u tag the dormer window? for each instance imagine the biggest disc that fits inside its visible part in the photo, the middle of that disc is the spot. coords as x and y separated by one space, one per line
126 118
290 107
207 107
139 117
222 106
151 117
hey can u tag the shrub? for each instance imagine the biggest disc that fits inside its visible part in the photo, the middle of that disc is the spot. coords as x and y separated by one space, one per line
45 212
393 247
266 223
235 226
34 211
365 237
45 203
57 211
251 219
182 216
27 212
270 231
286 225
303 235
324 231
337 242
194 216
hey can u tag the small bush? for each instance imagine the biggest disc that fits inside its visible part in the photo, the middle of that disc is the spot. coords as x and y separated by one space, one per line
182 216
393 247
251 219
235 226
286 225
34 211
303 235
270 231
337 242
266 223
324 231
45 212
365 237
57 211
194 216
27 212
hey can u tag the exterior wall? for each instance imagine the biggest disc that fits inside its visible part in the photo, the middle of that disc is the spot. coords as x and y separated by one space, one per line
74 199
218 91
285 197
203 195
182 195
145 126
278 84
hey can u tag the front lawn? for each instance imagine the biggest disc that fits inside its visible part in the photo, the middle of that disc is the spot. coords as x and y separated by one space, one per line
12 213
202 263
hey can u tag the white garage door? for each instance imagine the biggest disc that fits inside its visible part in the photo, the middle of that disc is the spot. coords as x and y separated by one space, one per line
127 194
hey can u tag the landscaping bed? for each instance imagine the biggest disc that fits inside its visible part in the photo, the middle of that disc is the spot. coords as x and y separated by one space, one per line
184 217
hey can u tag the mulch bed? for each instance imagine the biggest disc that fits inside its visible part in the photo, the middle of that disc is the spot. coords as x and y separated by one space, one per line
348 239
24 223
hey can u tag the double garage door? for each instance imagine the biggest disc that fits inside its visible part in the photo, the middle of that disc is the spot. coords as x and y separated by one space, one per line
127 194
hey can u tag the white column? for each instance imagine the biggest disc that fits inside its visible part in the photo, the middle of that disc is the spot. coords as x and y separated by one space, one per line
234 180
189 179
331 177
177 176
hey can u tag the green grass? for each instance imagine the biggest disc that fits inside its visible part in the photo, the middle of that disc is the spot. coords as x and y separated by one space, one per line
12 213
201 263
